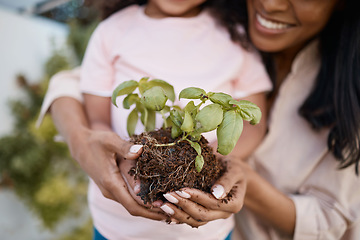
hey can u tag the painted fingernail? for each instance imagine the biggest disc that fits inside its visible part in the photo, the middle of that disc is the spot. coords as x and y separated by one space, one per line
171 198
167 209
157 203
218 191
137 188
183 194
135 148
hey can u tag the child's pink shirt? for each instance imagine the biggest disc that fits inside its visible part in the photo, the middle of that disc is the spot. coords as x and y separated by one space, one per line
186 52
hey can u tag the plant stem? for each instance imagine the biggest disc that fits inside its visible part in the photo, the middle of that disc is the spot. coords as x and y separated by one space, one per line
164 118
166 144
173 143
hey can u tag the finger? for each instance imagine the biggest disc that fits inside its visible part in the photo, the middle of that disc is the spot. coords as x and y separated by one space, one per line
123 148
233 175
195 210
133 152
117 186
132 184
180 216
121 194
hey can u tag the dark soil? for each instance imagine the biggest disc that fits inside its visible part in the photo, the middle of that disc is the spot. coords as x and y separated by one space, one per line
170 168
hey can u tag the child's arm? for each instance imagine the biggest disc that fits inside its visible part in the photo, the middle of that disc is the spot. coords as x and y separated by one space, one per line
98 112
252 135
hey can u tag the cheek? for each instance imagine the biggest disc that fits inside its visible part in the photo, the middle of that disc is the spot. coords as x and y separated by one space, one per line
312 24
315 16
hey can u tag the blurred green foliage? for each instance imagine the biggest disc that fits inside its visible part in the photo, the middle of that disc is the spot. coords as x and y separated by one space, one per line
39 169
83 232
79 32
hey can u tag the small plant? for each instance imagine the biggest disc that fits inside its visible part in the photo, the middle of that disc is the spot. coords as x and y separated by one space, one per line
224 113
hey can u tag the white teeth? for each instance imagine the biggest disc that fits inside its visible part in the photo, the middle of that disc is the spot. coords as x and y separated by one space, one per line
270 24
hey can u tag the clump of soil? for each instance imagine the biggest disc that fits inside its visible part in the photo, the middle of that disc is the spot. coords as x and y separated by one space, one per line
163 169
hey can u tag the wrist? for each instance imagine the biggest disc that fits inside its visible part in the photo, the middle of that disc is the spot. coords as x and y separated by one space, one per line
251 188
75 140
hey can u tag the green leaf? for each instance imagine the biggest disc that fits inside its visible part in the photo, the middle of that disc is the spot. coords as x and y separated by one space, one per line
177 108
130 100
196 146
143 85
229 131
124 88
168 88
132 122
248 111
199 163
191 108
150 121
220 98
175 131
188 123
154 98
167 122
208 118
166 109
143 112
195 136
192 93
176 117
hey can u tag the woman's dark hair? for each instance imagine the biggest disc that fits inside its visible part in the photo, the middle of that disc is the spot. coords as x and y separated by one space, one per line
222 10
334 102
335 99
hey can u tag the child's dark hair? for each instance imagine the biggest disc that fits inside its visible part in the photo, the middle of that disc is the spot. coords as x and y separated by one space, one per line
334 102
220 9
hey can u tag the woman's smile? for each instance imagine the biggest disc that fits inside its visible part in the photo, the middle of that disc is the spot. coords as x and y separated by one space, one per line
270 26
283 25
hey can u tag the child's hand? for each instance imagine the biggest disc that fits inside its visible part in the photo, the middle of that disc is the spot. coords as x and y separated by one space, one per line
198 208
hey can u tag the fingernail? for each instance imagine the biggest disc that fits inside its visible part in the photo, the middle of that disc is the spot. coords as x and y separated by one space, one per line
183 194
167 209
135 148
157 203
137 188
218 191
170 198
169 221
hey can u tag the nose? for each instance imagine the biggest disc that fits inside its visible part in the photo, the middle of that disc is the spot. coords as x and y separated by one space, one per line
275 5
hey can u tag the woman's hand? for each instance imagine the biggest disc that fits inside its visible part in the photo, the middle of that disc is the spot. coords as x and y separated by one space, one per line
196 208
106 158
99 153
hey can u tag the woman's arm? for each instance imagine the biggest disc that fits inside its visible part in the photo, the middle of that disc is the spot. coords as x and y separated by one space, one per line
98 112
272 206
247 188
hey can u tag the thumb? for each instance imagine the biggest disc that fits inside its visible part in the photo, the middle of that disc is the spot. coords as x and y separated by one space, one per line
134 152
125 149
227 181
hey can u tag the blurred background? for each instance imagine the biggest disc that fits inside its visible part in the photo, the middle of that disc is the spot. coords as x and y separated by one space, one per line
42 189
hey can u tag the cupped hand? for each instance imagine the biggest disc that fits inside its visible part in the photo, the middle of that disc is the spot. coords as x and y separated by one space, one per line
196 208
107 158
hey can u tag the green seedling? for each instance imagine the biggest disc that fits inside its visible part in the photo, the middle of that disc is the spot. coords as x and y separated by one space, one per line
224 113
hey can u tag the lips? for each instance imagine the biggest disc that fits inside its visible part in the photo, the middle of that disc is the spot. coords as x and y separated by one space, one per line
271 25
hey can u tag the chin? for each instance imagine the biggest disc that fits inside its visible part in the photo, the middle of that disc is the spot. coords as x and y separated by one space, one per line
266 46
